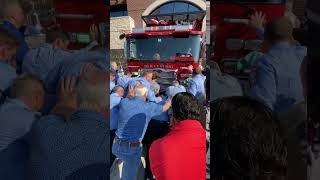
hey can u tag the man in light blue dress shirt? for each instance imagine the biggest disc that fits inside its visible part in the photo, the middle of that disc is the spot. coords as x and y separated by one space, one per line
8 46
145 80
134 116
112 81
61 145
71 68
18 114
14 18
7 75
123 81
196 85
275 78
39 61
115 99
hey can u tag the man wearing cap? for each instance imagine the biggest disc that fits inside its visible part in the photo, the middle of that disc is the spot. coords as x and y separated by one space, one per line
275 79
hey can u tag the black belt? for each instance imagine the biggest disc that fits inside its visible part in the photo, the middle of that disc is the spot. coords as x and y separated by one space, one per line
127 143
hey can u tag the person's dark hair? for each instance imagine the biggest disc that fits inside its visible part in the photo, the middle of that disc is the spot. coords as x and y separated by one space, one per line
54 34
185 106
246 141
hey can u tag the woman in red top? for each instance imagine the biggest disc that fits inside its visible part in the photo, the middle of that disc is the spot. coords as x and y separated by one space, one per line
181 154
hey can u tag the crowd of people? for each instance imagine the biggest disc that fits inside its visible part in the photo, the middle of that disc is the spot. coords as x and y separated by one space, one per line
256 134
56 122
155 122
54 105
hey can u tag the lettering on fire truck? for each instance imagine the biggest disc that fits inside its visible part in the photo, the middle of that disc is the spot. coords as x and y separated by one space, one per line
159 66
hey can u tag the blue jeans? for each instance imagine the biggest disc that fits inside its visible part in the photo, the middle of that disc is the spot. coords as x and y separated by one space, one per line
131 157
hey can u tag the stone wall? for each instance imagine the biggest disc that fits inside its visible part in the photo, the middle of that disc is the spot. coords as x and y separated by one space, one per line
119 25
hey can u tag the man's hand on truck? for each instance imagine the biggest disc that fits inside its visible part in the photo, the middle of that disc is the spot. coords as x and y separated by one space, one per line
67 102
257 20
93 32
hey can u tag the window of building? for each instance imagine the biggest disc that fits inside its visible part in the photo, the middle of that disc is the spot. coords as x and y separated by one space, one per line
118 13
118 10
175 7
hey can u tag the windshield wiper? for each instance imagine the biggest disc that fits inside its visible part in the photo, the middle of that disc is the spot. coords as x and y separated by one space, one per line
133 59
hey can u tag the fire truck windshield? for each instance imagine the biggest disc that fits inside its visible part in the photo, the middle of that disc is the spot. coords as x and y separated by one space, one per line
164 48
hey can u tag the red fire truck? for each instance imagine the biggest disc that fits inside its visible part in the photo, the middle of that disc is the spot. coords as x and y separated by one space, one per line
168 45
233 38
76 17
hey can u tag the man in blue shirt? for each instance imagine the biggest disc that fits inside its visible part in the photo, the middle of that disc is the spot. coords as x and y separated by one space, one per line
124 80
115 99
18 114
275 78
197 84
134 116
41 60
8 46
114 69
89 62
16 118
112 81
7 75
73 67
61 145
145 80
13 21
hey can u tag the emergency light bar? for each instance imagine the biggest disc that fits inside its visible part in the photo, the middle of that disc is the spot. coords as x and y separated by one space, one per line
163 28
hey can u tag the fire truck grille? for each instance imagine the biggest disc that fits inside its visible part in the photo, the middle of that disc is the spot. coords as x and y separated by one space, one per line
165 79
166 75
